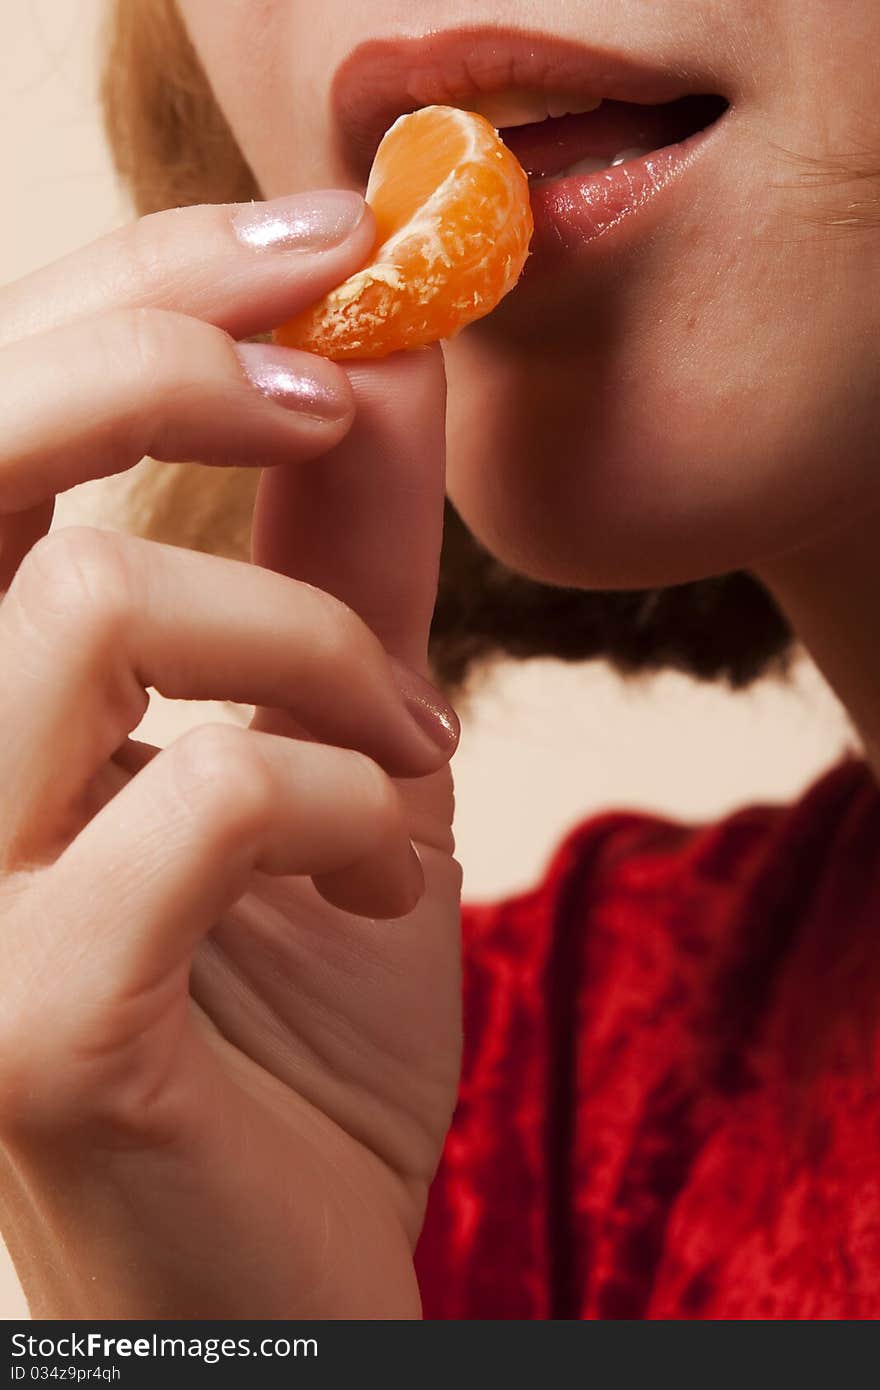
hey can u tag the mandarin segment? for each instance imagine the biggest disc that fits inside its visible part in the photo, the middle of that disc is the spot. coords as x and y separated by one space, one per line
454 223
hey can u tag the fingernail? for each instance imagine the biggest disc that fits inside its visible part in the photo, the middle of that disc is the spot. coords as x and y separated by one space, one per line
300 221
428 709
277 373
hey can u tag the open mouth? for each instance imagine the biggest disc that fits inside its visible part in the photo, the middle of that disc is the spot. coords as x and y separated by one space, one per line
611 134
603 135
562 107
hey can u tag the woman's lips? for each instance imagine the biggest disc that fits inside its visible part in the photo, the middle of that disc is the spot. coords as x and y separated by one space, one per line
384 78
571 213
551 146
647 111
590 173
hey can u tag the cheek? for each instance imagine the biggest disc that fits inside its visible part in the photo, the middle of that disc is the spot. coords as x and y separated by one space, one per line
232 40
702 406
268 65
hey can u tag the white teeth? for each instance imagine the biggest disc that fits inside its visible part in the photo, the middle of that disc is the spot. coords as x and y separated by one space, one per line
569 106
503 109
626 155
520 106
594 164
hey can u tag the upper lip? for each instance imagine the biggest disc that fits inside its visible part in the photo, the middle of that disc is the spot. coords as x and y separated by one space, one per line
384 78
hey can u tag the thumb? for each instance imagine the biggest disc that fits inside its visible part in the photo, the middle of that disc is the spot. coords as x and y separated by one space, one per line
365 521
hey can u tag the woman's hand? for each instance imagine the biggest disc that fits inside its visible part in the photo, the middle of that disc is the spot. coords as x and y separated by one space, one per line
226 1066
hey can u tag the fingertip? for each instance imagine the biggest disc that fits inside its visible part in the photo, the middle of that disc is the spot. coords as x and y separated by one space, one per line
299 381
414 378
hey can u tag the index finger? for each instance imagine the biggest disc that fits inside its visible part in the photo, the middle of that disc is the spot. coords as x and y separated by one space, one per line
244 267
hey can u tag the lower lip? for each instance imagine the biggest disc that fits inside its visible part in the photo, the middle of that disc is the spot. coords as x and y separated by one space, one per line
573 214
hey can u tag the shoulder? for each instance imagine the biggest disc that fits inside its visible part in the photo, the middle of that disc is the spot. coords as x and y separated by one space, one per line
754 936
665 1047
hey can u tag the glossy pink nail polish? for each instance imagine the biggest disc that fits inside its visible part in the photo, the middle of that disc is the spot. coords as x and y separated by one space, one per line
316 390
299 221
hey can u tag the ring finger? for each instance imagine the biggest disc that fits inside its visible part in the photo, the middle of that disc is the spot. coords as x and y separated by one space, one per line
151 381
93 620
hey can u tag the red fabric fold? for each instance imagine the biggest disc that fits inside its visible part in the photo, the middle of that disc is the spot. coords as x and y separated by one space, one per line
670 1103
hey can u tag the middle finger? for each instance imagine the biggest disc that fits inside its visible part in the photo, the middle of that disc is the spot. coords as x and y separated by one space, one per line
93 399
92 619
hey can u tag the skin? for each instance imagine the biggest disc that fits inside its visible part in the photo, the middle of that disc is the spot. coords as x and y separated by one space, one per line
666 381
709 411
281 1091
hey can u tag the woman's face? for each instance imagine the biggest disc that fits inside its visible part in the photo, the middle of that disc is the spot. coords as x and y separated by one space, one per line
695 389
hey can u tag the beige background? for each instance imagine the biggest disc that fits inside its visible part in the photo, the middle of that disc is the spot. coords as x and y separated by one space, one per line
544 744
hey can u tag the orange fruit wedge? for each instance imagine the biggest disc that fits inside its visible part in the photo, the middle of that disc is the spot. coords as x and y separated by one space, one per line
454 223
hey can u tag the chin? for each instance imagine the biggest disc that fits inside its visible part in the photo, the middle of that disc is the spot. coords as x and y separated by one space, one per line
543 539
567 496
571 475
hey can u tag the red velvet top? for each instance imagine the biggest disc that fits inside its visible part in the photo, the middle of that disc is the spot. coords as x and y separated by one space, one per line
670 1105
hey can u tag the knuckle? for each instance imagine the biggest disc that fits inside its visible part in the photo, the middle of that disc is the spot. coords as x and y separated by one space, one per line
223 780
146 246
157 357
121 342
79 574
343 640
149 340
174 362
170 350
150 246
161 247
